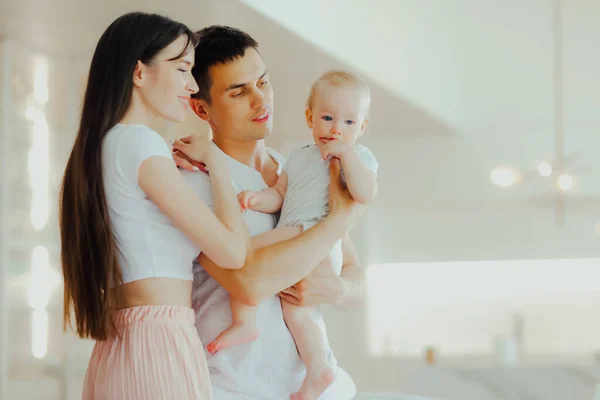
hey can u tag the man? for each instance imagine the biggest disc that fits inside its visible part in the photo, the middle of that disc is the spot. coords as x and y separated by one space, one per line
236 99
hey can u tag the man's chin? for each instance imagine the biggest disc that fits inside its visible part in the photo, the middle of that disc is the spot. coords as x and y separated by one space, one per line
262 135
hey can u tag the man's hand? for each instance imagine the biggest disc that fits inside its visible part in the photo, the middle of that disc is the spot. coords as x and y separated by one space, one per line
321 286
340 199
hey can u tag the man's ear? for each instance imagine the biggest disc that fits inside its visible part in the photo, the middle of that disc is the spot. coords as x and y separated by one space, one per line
200 108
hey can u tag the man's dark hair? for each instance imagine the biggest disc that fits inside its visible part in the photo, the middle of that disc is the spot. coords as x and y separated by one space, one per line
217 45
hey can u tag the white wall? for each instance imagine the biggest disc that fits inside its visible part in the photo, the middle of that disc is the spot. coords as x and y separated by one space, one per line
463 307
4 107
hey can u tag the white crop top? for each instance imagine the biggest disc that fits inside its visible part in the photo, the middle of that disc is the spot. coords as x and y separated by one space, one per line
150 245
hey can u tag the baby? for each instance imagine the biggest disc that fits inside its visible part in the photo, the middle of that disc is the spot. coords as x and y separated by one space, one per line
337 112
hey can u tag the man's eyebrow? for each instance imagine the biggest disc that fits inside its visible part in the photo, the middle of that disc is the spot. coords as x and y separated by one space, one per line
241 85
235 86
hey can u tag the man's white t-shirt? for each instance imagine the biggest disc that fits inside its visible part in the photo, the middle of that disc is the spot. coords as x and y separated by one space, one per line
270 367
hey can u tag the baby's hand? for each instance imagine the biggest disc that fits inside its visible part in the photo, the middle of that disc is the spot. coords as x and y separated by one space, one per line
246 199
334 148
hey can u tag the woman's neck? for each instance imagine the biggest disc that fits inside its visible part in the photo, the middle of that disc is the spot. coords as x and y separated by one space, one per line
138 113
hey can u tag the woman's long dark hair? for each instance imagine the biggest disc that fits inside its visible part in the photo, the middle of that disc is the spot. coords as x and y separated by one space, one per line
89 252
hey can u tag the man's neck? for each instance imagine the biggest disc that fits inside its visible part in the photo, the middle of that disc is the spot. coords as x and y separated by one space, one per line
251 153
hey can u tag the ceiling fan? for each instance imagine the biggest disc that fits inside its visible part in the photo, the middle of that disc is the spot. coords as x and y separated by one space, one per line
560 170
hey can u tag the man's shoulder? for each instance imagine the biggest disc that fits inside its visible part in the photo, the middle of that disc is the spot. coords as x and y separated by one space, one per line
279 159
277 156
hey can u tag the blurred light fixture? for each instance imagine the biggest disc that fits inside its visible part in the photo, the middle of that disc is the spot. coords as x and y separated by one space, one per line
565 182
545 169
505 176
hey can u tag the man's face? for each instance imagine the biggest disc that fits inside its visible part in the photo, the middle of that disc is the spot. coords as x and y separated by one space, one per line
242 99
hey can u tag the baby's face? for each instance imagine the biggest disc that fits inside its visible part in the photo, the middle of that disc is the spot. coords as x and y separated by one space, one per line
338 113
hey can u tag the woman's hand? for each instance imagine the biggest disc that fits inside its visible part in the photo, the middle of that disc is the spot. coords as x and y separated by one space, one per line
193 152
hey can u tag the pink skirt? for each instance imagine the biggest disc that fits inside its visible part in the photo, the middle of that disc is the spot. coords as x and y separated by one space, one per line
158 357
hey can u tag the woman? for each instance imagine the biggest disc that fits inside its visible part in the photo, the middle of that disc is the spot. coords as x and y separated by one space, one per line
130 225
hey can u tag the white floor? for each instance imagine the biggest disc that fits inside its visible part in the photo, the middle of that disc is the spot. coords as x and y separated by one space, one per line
389 396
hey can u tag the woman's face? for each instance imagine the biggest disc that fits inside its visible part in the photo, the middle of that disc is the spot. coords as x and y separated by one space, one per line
166 84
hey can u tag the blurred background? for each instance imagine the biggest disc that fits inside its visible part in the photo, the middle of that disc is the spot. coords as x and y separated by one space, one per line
483 246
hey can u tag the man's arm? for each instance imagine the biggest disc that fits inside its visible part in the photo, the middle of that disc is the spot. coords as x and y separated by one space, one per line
270 269
323 286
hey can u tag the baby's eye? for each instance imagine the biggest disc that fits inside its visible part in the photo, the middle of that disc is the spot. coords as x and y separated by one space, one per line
327 118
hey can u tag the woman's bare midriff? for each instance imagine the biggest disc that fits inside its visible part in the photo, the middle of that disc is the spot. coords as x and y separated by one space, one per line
154 291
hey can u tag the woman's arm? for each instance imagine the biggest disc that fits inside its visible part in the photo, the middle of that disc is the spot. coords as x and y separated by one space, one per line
224 236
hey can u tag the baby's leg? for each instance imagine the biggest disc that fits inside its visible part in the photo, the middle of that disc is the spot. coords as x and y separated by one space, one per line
242 329
311 346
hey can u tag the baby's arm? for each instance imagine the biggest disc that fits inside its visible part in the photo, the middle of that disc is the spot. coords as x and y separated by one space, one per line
269 200
361 181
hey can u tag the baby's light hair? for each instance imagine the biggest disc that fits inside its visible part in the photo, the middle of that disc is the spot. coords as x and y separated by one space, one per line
338 78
